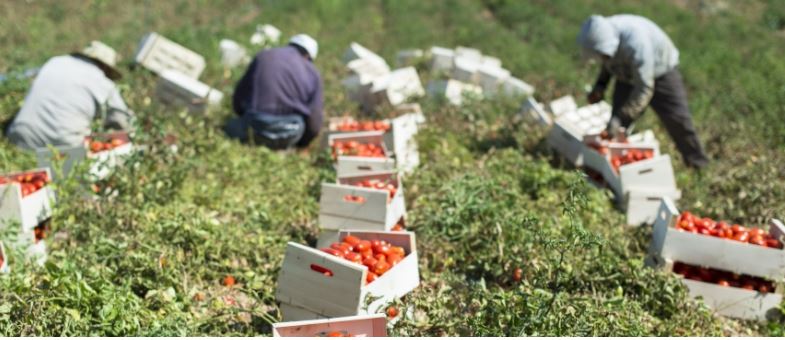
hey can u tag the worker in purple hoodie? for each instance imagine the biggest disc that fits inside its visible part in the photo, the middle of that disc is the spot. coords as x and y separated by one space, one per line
280 97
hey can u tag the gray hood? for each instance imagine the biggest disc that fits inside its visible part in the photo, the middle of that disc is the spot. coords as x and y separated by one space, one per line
598 37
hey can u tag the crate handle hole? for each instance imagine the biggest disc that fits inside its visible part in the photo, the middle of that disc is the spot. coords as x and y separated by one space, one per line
354 199
364 167
653 198
645 171
324 271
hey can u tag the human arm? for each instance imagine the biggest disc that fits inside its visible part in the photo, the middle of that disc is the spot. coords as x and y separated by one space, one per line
313 122
598 91
118 115
642 72
242 91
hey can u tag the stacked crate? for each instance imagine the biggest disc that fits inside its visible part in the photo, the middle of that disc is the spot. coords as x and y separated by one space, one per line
466 71
179 69
671 244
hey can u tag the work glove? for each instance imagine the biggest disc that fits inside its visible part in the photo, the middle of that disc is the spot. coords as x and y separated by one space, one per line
595 96
616 130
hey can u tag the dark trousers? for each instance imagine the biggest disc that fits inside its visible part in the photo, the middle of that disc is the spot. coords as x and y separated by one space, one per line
275 131
670 104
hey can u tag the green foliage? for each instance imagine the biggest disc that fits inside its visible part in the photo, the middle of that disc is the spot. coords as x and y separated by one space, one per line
488 198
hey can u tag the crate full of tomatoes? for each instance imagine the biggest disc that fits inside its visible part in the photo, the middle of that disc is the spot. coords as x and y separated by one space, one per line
336 281
360 153
26 198
750 252
373 201
569 128
351 326
105 151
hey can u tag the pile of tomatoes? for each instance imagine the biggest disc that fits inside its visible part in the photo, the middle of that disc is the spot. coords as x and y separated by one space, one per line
41 230
379 185
706 226
355 148
377 255
30 182
723 278
630 156
98 146
376 125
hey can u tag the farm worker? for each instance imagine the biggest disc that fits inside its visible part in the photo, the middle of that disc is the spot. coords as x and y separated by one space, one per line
69 92
644 61
279 98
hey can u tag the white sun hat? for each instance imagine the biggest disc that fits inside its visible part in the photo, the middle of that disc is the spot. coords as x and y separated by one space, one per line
306 42
105 55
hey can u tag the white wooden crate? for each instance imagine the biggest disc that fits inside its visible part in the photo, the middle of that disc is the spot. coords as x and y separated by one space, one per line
441 59
232 53
532 110
355 165
395 88
454 91
735 302
641 206
375 210
562 105
491 78
671 244
305 293
357 51
175 88
361 326
158 54
26 211
102 162
4 267
265 35
653 175
569 128
472 54
465 70
513 87
491 61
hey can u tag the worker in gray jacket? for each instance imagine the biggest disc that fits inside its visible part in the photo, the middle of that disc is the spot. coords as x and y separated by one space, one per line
644 61
69 92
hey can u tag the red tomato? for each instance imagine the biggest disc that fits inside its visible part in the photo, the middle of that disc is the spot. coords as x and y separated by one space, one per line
381 249
335 334
354 257
362 245
772 243
367 253
394 259
352 240
380 257
333 252
723 283
381 267
370 277
228 281
741 237
517 274
392 312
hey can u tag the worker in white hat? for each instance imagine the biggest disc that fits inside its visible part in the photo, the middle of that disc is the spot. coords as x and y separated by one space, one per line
69 92
279 98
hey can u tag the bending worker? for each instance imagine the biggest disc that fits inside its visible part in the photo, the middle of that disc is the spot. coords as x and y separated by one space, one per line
69 92
279 98
644 61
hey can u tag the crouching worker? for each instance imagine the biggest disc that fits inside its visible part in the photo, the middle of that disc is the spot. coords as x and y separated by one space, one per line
69 92
279 98
644 61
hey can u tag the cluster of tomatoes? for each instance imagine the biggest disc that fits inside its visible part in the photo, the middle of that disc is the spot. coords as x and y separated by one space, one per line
355 148
706 226
377 125
630 156
30 182
723 278
379 256
41 230
379 185
98 146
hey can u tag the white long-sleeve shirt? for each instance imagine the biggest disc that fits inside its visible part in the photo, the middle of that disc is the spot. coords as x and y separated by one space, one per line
66 96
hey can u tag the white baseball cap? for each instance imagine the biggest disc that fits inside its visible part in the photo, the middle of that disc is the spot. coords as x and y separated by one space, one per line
105 55
306 42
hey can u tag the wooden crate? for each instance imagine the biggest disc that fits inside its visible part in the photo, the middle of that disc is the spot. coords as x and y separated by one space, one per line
671 244
441 59
158 54
468 53
408 57
4 267
491 78
533 111
395 88
641 206
362 326
354 165
102 162
562 105
465 70
371 209
454 91
569 128
175 88
357 51
659 168
27 211
305 293
515 87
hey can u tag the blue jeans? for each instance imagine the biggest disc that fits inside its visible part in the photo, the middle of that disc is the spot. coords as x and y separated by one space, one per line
277 132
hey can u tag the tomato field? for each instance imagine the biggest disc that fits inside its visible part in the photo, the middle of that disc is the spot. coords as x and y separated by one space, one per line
511 239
